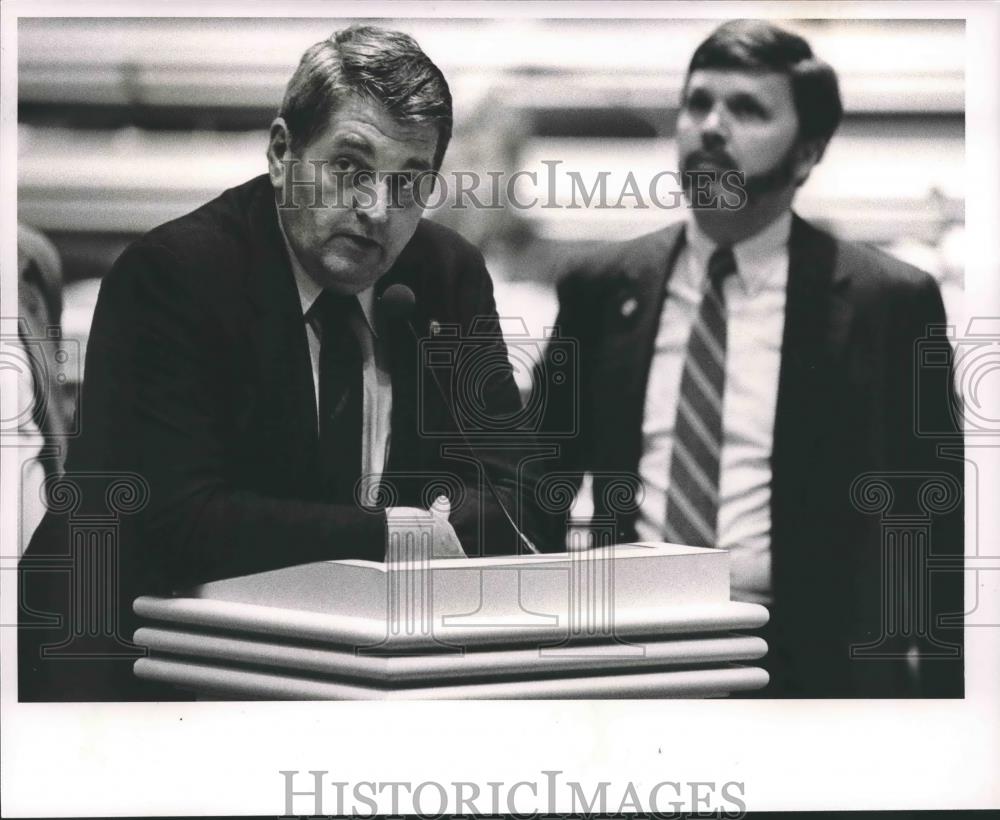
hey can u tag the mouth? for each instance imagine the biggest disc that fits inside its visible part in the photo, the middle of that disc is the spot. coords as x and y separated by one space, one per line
358 241
700 161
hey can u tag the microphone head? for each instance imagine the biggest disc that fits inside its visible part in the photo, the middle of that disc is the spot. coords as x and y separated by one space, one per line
398 302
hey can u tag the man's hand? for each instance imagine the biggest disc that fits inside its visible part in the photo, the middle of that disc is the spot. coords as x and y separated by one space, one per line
405 523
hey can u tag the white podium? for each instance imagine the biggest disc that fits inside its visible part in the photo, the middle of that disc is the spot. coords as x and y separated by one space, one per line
630 621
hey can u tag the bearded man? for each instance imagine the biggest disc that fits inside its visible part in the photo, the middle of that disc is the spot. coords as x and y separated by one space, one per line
753 374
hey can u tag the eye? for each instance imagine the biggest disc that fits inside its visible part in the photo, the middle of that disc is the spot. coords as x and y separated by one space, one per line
747 109
344 165
698 102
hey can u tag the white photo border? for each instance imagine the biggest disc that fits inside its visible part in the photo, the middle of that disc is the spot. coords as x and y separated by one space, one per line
224 758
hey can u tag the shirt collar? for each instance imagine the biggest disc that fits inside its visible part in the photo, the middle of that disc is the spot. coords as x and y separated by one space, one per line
309 291
755 256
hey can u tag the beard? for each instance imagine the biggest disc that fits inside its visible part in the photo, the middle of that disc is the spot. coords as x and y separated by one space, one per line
697 163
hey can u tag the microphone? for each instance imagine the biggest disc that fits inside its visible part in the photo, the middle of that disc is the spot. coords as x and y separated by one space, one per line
398 302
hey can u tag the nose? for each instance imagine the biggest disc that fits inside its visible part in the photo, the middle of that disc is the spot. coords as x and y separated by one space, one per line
372 202
714 128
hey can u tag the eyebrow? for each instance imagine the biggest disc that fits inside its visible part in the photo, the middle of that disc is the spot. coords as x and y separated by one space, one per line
746 98
357 143
741 96
361 145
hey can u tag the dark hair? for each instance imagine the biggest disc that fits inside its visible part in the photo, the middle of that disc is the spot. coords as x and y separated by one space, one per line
756 45
387 67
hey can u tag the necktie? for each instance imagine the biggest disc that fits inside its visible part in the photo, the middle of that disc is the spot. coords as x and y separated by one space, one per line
340 397
693 491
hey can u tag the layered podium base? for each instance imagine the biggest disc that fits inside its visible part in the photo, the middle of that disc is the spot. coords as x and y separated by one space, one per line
211 680
631 621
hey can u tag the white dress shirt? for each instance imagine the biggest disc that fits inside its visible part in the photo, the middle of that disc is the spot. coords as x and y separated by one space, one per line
755 301
376 407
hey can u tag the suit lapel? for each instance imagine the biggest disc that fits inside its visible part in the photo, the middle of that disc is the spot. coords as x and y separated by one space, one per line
817 323
281 352
631 321
402 352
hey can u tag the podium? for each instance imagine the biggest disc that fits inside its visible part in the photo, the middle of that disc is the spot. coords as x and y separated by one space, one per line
630 621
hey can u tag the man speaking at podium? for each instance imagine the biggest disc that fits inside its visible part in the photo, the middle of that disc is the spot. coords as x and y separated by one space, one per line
748 369
244 375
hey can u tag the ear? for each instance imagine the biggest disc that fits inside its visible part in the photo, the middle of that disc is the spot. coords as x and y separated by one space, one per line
808 154
279 152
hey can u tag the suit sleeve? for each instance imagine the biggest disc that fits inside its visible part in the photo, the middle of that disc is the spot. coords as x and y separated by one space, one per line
564 423
936 448
511 457
198 525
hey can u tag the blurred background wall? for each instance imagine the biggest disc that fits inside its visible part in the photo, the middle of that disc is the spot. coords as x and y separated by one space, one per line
125 123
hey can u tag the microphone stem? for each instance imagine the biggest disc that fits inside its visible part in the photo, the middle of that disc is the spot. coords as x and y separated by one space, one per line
525 541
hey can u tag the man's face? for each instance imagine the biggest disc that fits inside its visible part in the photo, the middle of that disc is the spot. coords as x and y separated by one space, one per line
743 121
363 221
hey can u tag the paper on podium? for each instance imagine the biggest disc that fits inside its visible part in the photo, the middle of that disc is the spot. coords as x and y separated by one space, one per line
633 589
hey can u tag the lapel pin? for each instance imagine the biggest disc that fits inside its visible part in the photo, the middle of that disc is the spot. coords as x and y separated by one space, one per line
629 306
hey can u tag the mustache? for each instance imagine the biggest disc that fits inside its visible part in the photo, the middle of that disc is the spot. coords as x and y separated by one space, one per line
700 157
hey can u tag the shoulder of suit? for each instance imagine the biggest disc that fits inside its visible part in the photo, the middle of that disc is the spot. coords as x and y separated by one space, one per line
433 243
873 270
440 261
613 262
224 220
209 242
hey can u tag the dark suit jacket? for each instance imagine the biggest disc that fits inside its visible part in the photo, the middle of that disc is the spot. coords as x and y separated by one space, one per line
198 401
850 403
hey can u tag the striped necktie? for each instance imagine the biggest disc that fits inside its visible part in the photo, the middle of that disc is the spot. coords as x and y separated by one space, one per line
693 491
